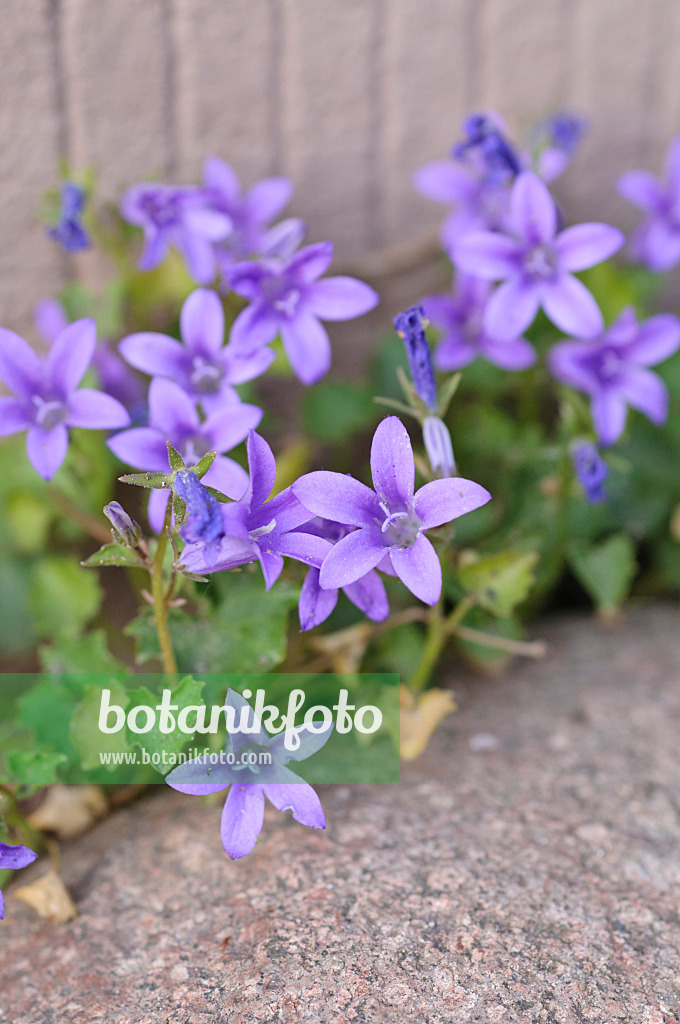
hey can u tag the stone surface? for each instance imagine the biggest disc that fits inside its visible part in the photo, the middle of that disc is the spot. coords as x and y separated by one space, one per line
526 869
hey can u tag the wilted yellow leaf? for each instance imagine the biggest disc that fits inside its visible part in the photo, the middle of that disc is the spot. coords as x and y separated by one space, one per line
49 898
420 714
68 811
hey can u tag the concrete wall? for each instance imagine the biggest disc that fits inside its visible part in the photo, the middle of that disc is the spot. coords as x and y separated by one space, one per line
347 97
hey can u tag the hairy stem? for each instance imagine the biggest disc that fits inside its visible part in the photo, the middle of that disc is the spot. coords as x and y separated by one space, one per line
160 599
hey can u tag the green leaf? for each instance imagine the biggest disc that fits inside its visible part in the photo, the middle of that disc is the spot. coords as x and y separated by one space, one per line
175 459
155 742
112 554
500 581
162 481
87 653
63 598
204 464
35 767
605 570
84 730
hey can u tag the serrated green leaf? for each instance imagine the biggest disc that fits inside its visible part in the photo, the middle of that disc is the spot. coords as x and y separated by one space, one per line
87 653
63 598
500 581
605 570
160 481
112 554
84 731
186 695
35 767
175 459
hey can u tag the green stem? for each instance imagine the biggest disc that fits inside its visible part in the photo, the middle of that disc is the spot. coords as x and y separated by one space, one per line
434 643
160 599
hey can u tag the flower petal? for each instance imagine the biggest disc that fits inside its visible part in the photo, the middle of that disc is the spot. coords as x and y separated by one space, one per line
642 189
252 329
307 346
609 416
239 368
141 447
50 319
271 565
352 557
95 410
418 569
267 198
242 820
442 501
262 466
585 245
569 362
511 309
202 323
20 367
227 476
219 175
658 244
533 215
338 497
657 339
171 412
487 254
646 392
46 449
225 429
315 604
71 354
515 354
13 416
301 799
155 354
303 547
571 307
341 298
199 255
369 596
444 181
311 262
392 463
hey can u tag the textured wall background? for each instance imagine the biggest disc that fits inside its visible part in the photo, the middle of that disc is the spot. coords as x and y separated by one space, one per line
347 97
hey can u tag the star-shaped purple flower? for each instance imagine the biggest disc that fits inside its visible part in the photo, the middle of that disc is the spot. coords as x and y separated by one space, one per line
256 529
47 400
392 520
536 264
243 813
477 203
460 318
178 215
656 242
316 604
287 298
173 417
203 365
612 369
250 213
13 858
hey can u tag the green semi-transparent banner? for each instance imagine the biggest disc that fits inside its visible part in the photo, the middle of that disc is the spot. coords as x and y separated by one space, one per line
216 728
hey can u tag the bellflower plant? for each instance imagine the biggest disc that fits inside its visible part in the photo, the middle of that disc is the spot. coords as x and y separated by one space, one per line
656 242
243 814
202 365
535 261
13 858
392 520
286 297
69 232
47 399
180 216
460 318
613 370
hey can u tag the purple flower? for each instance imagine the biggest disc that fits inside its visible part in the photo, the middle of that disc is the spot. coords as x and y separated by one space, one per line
13 858
69 232
315 604
173 417
488 149
243 812
124 529
591 470
178 215
203 366
287 299
460 317
46 402
411 329
393 521
259 530
204 519
554 141
250 214
536 263
612 369
477 203
50 319
656 242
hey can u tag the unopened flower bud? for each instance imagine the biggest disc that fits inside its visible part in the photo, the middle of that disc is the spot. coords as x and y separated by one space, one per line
124 529
410 326
438 446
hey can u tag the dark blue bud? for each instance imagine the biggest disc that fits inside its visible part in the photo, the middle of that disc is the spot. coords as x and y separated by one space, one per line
69 232
204 517
591 470
410 326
